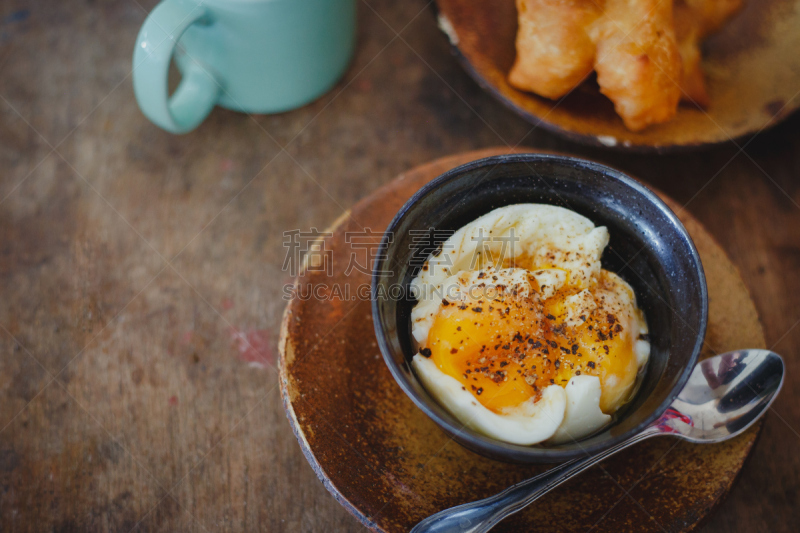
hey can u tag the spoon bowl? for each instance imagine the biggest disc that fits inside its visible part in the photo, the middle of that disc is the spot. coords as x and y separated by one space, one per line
725 395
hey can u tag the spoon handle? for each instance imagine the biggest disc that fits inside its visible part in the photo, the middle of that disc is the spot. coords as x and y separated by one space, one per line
483 515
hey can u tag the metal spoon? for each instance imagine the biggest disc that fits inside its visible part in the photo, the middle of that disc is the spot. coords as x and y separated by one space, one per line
724 396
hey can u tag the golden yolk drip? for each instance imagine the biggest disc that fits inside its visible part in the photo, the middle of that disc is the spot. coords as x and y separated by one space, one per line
506 350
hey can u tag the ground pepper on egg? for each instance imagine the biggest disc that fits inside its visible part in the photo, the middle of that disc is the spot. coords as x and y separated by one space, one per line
513 346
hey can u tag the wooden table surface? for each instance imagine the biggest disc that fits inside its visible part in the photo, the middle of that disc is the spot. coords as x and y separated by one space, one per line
142 273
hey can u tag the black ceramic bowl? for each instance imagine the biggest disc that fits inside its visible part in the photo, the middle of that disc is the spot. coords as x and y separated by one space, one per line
649 248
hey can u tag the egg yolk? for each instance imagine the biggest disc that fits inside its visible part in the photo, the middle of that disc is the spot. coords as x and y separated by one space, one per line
508 348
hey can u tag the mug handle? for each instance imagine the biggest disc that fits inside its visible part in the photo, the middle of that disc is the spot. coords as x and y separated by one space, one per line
198 91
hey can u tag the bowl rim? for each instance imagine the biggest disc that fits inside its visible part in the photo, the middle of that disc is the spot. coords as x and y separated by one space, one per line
495 447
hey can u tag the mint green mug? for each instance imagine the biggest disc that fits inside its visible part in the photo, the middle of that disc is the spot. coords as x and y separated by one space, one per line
254 56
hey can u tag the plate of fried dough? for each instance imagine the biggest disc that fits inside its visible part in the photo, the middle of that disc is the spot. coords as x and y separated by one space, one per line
642 75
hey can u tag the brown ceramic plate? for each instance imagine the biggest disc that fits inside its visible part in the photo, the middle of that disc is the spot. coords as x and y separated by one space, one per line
752 69
388 463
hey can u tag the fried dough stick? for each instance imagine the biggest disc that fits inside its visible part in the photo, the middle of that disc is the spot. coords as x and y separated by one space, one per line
638 63
693 83
554 51
695 20
646 52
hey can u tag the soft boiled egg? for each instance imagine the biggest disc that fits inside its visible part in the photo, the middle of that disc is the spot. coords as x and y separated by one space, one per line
526 338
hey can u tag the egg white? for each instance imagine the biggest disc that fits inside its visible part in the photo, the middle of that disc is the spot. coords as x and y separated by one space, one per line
527 423
583 415
561 238
572 240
